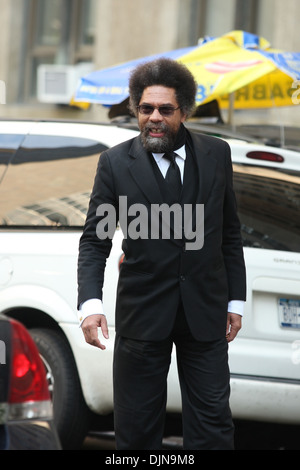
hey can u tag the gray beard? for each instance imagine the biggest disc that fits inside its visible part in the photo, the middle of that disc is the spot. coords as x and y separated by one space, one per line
158 144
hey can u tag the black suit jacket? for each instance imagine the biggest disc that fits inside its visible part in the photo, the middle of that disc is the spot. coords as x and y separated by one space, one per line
159 273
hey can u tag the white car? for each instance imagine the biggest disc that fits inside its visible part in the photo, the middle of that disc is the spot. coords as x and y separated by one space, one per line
46 175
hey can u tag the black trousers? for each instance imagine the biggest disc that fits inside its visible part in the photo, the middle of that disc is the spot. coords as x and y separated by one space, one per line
140 391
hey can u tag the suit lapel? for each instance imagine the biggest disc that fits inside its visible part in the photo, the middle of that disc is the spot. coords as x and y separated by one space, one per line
206 165
142 172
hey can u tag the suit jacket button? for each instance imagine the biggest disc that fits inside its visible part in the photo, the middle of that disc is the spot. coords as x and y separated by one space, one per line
182 278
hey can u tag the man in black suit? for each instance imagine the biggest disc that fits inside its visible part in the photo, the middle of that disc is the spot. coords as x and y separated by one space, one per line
183 277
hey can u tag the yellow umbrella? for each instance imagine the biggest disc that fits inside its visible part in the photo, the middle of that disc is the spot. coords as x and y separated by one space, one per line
244 64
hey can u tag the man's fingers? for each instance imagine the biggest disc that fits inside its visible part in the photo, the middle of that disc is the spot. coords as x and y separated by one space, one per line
90 330
104 327
234 324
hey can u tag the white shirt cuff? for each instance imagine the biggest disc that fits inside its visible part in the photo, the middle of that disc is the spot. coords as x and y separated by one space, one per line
90 307
236 306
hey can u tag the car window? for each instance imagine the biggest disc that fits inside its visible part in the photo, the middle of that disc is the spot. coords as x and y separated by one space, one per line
9 143
48 182
269 207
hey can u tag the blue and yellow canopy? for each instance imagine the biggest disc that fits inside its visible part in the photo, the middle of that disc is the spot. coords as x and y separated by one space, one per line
237 62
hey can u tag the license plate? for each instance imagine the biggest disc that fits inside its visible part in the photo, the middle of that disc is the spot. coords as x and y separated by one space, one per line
289 313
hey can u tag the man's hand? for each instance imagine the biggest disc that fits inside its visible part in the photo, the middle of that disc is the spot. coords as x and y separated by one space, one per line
234 324
90 329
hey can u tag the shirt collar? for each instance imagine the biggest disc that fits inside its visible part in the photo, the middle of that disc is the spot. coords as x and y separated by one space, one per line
180 152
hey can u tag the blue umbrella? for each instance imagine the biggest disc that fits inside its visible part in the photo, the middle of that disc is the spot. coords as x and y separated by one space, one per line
110 86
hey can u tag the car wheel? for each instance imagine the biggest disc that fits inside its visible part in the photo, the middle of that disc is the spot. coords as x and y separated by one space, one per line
71 414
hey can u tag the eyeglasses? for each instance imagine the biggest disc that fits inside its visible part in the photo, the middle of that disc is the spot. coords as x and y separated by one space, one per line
164 110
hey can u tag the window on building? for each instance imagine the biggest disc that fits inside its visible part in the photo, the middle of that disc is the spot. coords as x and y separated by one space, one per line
60 32
87 26
246 15
217 17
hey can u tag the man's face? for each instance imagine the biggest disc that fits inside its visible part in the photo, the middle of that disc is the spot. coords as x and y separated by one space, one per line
159 132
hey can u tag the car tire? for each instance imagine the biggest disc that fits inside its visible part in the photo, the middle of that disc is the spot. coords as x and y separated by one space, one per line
71 414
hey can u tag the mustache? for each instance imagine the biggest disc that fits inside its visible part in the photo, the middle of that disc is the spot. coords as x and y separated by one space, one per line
159 126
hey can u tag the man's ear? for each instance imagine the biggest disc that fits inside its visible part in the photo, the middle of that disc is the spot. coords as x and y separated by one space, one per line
183 117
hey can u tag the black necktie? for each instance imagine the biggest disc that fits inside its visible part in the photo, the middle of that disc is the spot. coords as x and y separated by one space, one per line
173 177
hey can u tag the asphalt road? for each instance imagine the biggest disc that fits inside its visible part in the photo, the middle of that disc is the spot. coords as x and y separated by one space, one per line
249 436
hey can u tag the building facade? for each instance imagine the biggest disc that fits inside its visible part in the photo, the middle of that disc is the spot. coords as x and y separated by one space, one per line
101 33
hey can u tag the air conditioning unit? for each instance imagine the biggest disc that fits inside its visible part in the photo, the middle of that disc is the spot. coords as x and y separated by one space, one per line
57 83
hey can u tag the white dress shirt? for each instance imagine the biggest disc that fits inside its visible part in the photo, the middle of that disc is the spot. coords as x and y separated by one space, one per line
95 306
